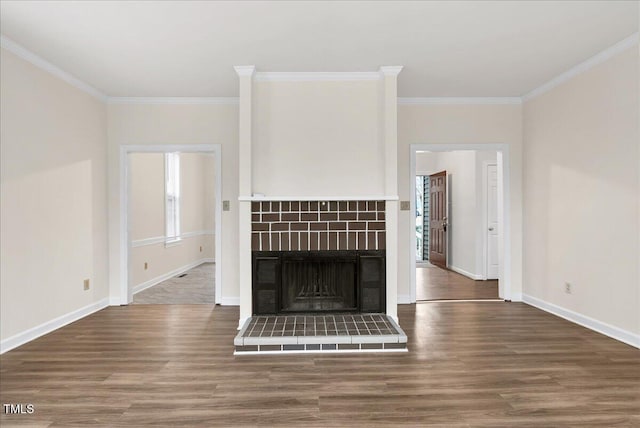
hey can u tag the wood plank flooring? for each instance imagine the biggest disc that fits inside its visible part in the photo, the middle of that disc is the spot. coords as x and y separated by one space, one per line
486 364
434 283
196 287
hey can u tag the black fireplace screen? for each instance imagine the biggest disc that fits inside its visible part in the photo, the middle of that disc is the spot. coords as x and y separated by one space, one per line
319 284
318 281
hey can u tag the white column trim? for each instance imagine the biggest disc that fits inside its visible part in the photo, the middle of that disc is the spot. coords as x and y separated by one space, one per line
245 70
245 129
389 136
390 70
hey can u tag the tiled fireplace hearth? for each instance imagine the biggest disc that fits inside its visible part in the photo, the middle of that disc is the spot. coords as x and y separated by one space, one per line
320 333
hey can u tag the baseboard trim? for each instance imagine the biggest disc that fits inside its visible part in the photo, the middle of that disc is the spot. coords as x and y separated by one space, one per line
158 279
230 301
516 297
404 299
241 323
49 326
608 330
465 273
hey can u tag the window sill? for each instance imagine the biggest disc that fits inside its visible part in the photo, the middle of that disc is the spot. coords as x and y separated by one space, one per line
172 242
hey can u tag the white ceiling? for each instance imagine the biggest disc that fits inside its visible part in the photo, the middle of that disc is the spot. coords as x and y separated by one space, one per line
461 49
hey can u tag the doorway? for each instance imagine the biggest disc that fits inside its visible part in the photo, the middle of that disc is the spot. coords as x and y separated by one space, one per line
463 219
170 224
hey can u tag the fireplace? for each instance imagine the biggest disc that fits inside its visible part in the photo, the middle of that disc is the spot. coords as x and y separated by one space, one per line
318 281
318 256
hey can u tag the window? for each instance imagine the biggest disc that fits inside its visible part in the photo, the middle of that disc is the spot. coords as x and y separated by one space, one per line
422 217
419 216
172 197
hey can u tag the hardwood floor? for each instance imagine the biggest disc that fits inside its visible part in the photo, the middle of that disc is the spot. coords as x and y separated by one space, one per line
434 283
486 364
196 287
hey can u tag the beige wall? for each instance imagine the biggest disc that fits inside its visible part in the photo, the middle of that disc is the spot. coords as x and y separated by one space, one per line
192 124
426 163
460 167
209 191
164 261
53 232
460 124
147 215
581 154
582 192
317 139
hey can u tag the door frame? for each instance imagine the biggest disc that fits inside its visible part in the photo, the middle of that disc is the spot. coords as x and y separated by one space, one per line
504 215
126 290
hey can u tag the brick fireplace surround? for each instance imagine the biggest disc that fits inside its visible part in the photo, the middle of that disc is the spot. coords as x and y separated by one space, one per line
319 228
317 225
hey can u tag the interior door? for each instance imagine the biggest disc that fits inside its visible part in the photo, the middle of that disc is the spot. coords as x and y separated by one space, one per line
492 222
438 219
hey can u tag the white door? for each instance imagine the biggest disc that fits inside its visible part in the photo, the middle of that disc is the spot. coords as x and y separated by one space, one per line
492 222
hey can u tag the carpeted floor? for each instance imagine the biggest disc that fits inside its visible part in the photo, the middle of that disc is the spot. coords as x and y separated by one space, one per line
197 287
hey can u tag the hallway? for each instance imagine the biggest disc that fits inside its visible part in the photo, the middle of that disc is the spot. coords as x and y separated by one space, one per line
434 283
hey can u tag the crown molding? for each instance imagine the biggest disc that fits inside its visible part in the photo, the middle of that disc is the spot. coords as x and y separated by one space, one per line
245 70
390 70
430 101
235 100
583 66
249 70
175 100
45 65
315 76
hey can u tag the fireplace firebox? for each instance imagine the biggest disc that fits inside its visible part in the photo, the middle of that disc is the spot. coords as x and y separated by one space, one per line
318 281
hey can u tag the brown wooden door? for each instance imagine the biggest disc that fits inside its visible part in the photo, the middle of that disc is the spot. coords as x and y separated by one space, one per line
438 219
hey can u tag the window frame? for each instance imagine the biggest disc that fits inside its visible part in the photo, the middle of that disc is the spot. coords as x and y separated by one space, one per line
172 198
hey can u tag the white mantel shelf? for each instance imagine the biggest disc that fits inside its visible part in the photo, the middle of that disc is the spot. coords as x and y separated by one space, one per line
318 198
